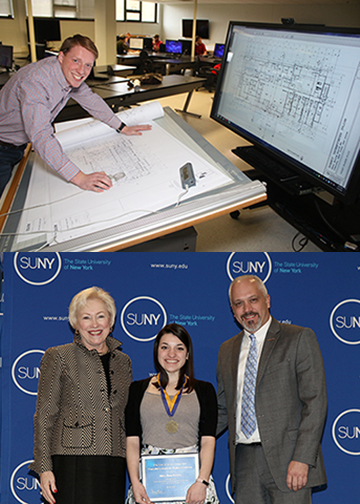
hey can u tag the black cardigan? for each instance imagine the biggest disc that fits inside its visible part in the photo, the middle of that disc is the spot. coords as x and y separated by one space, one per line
208 408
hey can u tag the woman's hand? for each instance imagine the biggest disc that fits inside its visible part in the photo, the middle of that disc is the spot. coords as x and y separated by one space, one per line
140 494
48 486
196 493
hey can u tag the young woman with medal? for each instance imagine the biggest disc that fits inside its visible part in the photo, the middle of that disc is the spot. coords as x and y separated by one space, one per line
172 412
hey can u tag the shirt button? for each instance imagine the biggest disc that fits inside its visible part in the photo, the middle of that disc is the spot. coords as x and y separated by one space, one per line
107 410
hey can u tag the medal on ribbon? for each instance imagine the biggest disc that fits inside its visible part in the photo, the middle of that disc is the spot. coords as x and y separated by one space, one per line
171 405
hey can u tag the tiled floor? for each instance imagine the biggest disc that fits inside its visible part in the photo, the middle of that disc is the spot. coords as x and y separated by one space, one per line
260 229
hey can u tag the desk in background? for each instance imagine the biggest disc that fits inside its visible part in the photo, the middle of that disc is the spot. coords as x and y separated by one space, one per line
173 65
119 94
241 193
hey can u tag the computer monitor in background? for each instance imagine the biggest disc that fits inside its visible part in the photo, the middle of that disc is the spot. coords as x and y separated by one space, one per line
293 92
6 56
219 50
186 46
173 46
202 28
148 43
46 29
136 43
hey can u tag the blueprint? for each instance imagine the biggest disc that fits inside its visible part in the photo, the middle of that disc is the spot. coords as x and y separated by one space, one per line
145 171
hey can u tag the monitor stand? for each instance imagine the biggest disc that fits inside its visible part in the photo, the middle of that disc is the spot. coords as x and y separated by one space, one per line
332 226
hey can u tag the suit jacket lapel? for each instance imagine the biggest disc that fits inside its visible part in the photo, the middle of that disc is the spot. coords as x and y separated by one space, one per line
235 360
272 336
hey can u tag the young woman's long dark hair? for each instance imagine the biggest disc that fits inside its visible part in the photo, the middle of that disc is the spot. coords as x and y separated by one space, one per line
188 368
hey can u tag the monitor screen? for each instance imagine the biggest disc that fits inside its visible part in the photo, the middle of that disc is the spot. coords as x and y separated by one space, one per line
202 28
148 43
136 43
219 50
46 29
294 94
6 56
186 46
173 46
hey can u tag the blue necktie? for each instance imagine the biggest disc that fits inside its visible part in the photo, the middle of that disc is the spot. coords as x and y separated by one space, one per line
248 416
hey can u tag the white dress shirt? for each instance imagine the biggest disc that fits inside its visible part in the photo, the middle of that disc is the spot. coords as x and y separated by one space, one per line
260 335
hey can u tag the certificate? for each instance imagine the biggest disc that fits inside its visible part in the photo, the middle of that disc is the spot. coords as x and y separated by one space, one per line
168 477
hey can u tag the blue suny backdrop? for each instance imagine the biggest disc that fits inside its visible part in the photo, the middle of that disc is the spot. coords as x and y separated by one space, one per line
320 291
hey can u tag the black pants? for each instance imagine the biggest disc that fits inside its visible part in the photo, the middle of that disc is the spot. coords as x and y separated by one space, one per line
9 157
89 479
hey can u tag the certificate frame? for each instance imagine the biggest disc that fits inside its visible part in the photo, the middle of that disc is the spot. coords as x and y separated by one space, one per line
167 478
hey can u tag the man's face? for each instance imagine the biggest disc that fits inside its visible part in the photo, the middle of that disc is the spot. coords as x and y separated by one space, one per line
76 65
250 307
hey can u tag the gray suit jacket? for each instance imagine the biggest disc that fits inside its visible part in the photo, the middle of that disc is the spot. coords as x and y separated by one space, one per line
290 400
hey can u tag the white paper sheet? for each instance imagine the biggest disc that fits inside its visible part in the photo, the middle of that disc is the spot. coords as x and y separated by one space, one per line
147 171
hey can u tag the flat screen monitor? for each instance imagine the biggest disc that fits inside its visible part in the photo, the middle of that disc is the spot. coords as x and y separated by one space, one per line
186 46
202 28
136 43
219 50
173 46
46 29
6 56
148 43
293 92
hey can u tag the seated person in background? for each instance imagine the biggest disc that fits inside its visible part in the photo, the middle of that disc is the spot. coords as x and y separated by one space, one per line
156 43
200 49
122 46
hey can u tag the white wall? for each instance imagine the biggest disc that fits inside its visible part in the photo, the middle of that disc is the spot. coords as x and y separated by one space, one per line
219 15
13 31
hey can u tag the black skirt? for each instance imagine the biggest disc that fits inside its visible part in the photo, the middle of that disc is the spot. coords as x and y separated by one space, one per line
97 479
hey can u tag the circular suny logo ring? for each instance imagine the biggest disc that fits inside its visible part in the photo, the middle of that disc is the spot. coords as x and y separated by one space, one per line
147 298
332 321
32 282
228 266
14 367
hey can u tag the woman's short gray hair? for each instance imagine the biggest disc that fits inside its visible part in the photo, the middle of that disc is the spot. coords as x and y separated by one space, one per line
80 300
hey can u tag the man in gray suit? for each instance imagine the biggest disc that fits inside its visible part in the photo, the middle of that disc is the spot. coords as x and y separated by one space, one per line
274 441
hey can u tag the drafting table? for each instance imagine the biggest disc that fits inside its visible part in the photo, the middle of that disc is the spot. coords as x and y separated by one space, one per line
240 193
118 94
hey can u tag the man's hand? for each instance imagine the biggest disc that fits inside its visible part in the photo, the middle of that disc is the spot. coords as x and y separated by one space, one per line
135 130
297 475
97 182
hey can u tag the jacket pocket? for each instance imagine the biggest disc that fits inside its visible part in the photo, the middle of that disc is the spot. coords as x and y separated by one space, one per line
78 432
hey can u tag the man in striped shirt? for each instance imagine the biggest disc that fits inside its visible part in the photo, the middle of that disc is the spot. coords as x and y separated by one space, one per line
33 97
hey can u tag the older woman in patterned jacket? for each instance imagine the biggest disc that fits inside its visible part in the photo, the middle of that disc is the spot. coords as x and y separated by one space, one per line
79 449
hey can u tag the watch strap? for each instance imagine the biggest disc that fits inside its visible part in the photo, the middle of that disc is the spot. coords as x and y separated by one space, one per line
121 127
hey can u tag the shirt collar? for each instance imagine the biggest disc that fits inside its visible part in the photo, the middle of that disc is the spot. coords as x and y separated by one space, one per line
261 333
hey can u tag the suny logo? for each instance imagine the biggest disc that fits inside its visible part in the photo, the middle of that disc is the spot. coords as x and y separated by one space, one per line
228 488
37 269
25 371
142 318
345 321
24 487
346 431
243 263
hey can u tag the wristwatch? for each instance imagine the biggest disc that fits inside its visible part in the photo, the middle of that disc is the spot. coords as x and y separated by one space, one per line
206 483
121 127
